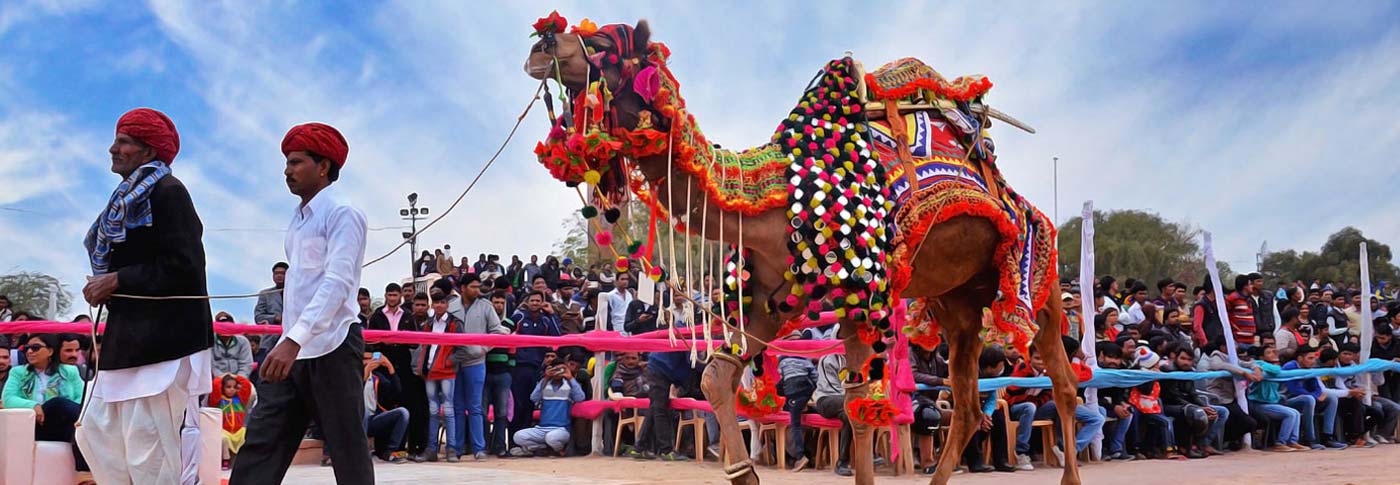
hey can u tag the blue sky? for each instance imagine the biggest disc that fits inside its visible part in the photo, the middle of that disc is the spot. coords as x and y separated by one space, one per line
1255 120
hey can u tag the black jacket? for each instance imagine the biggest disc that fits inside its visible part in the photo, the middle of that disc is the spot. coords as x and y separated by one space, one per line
1180 393
1264 323
399 354
164 259
633 322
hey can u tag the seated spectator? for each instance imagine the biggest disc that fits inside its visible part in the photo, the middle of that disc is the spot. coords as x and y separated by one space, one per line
53 389
385 420
232 353
1106 326
1364 425
1306 395
1155 437
627 380
830 396
1265 398
438 365
535 317
234 401
930 369
993 423
1113 401
1196 421
1222 390
1091 420
1385 347
641 317
4 372
71 353
555 395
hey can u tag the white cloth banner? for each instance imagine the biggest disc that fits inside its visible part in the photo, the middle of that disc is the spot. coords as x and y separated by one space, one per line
1220 308
1087 310
1367 327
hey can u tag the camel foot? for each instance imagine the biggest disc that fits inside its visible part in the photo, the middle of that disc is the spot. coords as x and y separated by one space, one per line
741 473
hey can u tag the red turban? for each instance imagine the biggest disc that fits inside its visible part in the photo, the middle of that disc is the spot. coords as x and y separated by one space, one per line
318 138
154 129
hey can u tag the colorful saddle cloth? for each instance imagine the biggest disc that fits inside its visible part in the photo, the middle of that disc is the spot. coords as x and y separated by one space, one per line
949 186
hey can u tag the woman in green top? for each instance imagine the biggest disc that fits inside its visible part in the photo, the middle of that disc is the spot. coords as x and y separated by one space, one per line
53 389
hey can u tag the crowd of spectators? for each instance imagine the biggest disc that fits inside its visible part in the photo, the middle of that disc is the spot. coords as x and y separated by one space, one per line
445 402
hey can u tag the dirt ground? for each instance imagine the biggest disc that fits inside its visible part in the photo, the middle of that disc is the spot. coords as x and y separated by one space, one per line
1346 467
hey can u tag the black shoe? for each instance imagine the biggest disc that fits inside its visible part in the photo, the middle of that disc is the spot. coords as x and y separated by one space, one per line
1005 468
980 468
844 470
1195 454
929 470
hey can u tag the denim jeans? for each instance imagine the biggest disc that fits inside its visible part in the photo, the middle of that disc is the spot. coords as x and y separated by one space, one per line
1023 413
497 396
1307 409
387 428
1287 417
440 414
1216 433
1091 420
798 391
1115 440
466 400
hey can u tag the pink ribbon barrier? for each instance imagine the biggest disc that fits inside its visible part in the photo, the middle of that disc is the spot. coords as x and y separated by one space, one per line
596 340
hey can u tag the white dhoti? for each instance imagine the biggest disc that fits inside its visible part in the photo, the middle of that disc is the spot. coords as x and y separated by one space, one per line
140 425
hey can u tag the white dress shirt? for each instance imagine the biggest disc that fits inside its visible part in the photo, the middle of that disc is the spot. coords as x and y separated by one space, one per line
325 247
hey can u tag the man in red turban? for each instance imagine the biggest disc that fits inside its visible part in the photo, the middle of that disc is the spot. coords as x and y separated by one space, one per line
152 129
315 371
140 424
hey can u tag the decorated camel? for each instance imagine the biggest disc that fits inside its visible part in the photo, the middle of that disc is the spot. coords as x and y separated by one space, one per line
877 188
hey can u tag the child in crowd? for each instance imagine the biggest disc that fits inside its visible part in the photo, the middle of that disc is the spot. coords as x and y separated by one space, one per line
1155 437
993 424
234 402
1265 398
438 365
554 395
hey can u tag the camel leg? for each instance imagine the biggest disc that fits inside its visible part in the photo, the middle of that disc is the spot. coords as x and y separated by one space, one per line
961 321
862 435
720 381
1057 365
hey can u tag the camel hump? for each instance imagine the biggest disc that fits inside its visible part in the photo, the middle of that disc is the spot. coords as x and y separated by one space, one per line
908 77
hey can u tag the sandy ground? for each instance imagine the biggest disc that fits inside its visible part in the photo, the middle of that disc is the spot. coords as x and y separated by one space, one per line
1352 467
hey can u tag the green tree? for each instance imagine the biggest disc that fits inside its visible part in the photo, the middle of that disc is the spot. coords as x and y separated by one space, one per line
36 293
1136 244
1337 261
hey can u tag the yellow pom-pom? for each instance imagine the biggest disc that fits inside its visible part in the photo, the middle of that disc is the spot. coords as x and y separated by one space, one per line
592 177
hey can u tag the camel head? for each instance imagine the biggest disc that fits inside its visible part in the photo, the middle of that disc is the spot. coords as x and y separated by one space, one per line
602 71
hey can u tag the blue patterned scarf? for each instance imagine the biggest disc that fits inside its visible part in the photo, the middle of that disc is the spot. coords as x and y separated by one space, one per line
129 208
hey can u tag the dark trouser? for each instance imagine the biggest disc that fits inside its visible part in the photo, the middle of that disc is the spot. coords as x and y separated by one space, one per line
1239 424
834 407
659 429
415 399
522 383
973 452
1190 423
497 397
1351 417
798 391
1389 390
330 389
60 414
387 428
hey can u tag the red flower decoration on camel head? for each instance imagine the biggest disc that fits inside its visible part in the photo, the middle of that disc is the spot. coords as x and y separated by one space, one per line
553 24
